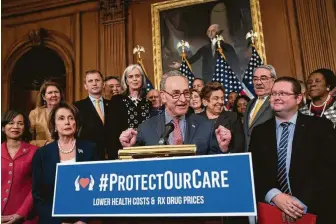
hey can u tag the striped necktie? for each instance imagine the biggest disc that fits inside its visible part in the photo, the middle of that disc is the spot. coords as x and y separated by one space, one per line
282 158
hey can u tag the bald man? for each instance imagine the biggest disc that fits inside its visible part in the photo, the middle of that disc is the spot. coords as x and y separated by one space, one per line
208 54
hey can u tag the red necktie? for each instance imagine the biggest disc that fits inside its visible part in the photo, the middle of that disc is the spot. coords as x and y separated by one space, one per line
177 134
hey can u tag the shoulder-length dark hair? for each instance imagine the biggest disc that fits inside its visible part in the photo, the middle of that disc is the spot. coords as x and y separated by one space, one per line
235 104
8 117
52 118
43 89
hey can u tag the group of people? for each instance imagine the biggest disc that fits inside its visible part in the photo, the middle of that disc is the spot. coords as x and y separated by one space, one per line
290 133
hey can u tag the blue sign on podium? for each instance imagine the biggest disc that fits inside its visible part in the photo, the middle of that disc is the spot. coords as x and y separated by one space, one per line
212 185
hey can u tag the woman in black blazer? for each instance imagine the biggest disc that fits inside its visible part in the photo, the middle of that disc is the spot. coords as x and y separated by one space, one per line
63 125
213 95
128 110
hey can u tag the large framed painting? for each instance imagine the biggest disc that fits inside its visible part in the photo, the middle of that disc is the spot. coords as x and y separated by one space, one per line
189 20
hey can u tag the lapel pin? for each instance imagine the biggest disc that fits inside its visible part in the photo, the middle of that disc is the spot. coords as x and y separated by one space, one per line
80 150
193 125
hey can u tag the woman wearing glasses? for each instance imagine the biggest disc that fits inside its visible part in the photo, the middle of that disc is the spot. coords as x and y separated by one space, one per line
213 99
128 110
323 104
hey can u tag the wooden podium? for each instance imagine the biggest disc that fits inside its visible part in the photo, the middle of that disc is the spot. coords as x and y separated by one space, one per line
163 151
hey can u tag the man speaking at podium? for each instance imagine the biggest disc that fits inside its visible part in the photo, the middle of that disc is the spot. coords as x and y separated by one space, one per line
174 126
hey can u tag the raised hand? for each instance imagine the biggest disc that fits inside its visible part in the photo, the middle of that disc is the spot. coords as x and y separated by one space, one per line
223 136
128 137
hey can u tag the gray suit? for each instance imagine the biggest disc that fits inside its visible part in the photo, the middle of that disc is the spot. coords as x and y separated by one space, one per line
265 113
199 131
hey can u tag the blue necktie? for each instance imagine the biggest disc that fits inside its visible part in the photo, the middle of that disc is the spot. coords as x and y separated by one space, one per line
282 157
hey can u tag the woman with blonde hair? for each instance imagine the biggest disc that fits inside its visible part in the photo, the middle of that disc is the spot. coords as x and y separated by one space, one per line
49 96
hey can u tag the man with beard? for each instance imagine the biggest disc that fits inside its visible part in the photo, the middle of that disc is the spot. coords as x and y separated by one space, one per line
209 53
258 110
192 129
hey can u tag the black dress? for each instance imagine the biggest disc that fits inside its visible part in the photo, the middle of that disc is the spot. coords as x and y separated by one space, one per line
124 113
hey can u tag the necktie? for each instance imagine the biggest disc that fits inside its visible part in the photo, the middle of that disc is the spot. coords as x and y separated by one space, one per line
177 134
256 109
282 158
100 113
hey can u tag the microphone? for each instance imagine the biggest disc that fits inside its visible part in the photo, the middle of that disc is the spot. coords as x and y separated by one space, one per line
164 137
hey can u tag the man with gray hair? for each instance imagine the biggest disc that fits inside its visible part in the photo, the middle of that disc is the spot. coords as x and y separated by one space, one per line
208 54
259 110
193 129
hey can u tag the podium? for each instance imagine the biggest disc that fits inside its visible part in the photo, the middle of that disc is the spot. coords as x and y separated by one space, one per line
159 151
163 151
164 184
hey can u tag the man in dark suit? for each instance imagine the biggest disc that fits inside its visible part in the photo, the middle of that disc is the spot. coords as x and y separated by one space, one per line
259 110
294 157
208 53
92 111
192 129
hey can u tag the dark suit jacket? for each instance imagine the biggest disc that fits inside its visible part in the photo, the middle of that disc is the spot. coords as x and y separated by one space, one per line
118 118
198 132
92 128
44 171
312 168
231 121
209 62
265 113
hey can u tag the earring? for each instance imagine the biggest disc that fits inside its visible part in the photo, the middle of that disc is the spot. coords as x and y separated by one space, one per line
328 89
55 130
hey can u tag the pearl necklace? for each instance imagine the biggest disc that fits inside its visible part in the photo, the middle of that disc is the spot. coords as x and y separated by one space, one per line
66 151
324 104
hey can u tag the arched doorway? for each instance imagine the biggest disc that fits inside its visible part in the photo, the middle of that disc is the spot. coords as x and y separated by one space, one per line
44 54
30 71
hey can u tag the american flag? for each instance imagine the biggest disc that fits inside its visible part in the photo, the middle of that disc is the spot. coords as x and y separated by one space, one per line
149 85
185 69
254 62
225 76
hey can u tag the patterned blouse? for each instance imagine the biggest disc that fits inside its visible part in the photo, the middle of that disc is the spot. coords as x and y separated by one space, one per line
138 110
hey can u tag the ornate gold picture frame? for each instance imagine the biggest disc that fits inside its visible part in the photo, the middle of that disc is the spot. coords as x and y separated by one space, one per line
162 7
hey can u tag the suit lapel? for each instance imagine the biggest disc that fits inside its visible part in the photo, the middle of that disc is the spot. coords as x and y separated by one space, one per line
159 124
54 151
191 127
79 152
93 109
298 138
105 102
261 110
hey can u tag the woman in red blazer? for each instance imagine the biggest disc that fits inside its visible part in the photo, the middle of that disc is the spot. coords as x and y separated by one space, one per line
16 169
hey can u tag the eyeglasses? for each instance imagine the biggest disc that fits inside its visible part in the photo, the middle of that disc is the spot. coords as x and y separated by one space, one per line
216 98
177 95
281 94
262 78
